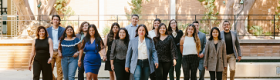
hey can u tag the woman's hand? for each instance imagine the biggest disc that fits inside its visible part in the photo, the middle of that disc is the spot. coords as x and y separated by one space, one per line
29 67
75 55
79 63
127 69
50 61
156 64
112 67
60 55
104 58
206 68
174 62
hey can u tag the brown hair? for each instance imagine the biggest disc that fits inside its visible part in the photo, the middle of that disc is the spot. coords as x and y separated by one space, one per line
195 36
38 30
81 27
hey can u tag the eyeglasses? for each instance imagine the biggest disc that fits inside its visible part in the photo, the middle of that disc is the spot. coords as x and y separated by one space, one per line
226 24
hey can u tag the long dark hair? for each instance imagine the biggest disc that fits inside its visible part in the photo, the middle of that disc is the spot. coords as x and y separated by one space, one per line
65 35
170 28
98 39
156 39
38 30
111 33
157 19
146 31
211 36
126 39
81 27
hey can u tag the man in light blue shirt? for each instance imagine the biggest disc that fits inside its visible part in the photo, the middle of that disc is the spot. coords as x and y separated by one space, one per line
55 32
131 28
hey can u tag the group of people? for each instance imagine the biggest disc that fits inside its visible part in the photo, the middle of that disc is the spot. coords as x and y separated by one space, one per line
134 52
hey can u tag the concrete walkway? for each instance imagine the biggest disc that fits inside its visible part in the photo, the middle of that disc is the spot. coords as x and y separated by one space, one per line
27 75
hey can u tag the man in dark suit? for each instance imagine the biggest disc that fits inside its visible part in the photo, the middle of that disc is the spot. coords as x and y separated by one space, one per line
202 38
55 32
232 48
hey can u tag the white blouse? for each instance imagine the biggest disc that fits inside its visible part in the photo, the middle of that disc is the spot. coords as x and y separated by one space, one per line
152 34
189 46
142 50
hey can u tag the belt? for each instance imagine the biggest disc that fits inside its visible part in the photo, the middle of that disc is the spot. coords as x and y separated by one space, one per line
55 50
142 59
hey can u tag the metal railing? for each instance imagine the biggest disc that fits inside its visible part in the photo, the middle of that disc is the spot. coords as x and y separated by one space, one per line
255 26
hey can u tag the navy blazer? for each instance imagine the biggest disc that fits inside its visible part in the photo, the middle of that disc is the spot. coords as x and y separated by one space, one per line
132 54
60 32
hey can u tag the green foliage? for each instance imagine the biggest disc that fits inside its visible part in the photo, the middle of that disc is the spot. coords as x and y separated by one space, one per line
257 30
106 30
136 6
277 16
210 13
62 8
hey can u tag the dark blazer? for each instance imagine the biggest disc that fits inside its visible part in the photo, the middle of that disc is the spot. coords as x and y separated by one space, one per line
235 43
215 60
60 32
203 41
132 54
177 39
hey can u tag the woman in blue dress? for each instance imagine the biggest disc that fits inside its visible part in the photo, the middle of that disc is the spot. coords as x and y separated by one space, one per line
92 45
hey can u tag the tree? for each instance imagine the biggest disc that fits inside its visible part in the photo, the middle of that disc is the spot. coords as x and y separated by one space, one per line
234 7
45 8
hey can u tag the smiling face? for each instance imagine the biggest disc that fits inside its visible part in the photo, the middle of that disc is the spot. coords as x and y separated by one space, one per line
122 34
42 33
141 31
85 27
156 24
173 25
91 31
134 20
55 21
69 31
115 29
162 29
226 26
190 30
215 33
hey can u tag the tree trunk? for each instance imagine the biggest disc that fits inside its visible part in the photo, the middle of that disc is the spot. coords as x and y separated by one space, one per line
24 13
46 9
233 7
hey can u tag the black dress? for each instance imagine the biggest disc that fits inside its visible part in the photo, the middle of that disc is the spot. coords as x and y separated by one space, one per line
41 58
110 40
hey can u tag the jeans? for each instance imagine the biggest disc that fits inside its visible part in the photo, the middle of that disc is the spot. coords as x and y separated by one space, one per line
190 65
201 69
177 67
214 74
69 67
81 69
119 69
231 60
142 70
162 70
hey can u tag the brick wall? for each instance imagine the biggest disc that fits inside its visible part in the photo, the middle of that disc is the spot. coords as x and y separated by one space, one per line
260 49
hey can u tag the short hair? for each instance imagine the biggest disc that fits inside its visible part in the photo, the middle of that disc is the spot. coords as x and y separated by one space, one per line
196 22
58 18
135 15
226 21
